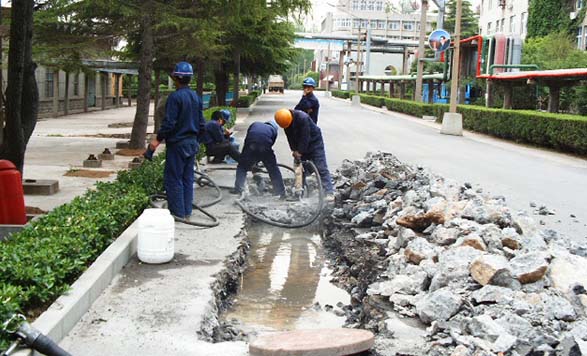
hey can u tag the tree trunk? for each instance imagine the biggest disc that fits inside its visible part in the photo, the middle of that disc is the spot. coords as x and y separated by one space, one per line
66 96
2 112
139 130
221 79
157 82
21 94
200 85
237 76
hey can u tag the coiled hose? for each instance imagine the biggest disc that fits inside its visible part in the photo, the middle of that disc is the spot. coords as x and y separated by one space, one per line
292 226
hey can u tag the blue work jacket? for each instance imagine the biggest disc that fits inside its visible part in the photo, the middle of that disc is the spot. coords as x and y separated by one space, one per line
303 134
214 133
183 117
310 105
262 135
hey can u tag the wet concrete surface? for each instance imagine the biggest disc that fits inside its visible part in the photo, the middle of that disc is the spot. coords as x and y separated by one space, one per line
286 285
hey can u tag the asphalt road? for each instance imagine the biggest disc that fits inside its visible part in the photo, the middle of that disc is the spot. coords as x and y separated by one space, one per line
522 174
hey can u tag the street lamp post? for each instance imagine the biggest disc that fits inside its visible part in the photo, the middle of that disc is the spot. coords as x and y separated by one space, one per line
420 62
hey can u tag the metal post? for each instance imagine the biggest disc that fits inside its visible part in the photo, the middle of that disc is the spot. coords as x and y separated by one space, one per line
328 69
420 73
368 49
454 86
357 65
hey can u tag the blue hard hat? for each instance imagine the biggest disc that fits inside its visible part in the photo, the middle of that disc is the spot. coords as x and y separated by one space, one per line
225 114
183 69
309 82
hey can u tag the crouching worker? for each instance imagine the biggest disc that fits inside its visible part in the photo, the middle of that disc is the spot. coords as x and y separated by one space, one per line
217 138
305 141
180 128
258 147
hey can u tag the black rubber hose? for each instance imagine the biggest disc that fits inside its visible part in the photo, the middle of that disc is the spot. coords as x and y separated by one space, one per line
292 226
206 180
46 346
214 222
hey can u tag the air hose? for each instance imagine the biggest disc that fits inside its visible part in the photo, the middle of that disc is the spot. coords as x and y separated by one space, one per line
313 218
31 337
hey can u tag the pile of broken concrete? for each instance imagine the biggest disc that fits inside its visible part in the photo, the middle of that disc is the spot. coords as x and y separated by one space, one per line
483 279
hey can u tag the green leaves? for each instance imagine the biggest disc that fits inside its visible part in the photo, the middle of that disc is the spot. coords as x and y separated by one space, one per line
39 263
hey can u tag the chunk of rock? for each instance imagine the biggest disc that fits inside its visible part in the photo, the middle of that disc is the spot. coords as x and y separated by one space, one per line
419 249
485 327
439 305
403 238
421 222
445 236
558 308
491 294
490 269
529 267
567 270
402 284
475 241
461 350
362 219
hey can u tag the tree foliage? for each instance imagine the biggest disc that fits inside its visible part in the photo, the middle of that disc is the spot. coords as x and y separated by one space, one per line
548 16
469 20
554 51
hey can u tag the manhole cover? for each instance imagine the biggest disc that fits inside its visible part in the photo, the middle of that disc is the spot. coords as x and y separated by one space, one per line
319 342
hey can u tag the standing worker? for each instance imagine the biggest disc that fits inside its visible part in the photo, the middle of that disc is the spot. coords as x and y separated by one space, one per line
305 141
309 102
217 138
180 128
259 148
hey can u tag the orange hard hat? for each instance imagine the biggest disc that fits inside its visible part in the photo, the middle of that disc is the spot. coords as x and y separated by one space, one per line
283 117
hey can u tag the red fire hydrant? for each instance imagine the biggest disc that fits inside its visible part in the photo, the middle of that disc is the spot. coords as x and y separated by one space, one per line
12 209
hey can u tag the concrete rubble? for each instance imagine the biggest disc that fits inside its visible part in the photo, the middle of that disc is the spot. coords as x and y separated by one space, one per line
482 279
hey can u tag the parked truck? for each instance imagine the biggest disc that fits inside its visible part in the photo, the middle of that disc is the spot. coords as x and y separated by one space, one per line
276 84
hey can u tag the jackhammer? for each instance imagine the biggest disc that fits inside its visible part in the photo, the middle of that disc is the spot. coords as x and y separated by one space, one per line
298 190
18 327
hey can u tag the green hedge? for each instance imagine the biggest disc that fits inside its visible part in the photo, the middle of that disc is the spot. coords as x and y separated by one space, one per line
244 101
563 132
39 263
341 94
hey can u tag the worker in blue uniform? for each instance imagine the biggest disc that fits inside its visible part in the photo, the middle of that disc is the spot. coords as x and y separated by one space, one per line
217 138
309 102
305 141
258 147
180 128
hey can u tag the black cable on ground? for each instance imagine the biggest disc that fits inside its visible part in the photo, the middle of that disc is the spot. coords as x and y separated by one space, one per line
155 197
291 226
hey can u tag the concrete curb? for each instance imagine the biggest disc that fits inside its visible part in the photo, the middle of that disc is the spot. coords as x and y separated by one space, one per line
67 310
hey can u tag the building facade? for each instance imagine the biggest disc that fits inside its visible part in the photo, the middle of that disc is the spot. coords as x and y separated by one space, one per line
511 17
357 17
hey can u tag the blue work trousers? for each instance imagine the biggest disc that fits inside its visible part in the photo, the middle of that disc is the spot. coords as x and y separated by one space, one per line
178 176
249 157
318 156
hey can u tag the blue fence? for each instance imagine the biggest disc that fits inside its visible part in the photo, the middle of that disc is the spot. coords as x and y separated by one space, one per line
206 99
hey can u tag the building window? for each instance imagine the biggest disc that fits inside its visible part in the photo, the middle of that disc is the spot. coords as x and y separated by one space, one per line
363 6
513 24
49 83
378 5
356 23
408 26
364 23
373 24
371 5
489 28
393 25
580 44
381 25
578 4
523 23
76 84
502 25
355 5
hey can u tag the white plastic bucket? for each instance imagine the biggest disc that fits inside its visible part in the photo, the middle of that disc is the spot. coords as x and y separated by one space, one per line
156 242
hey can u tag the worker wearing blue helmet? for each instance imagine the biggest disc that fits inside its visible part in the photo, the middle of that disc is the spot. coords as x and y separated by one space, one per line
217 138
258 147
181 126
309 102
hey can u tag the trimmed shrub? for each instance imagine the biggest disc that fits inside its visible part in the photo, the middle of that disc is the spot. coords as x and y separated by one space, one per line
39 263
341 94
244 101
411 107
372 100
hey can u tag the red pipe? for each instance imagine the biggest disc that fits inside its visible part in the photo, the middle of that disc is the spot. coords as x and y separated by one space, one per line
557 73
479 39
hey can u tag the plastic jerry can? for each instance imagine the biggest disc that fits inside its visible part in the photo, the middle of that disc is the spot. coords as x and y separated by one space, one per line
156 240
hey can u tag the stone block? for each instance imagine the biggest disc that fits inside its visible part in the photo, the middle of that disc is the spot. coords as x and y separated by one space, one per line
440 305
452 124
487 269
529 267
40 186
92 163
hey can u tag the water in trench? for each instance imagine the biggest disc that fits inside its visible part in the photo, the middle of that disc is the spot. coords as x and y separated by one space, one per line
287 276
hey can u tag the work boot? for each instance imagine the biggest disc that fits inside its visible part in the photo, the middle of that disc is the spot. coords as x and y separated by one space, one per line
235 191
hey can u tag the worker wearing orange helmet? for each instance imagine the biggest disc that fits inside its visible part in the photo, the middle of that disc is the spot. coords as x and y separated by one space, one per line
305 141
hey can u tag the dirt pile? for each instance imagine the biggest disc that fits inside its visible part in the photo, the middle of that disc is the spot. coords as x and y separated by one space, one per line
484 280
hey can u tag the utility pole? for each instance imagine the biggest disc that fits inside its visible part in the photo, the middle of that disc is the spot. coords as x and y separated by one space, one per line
368 49
420 73
357 65
452 122
454 86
